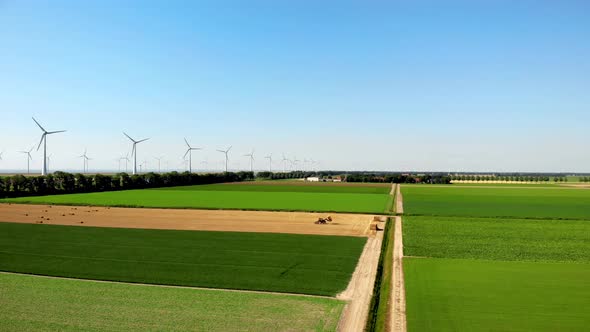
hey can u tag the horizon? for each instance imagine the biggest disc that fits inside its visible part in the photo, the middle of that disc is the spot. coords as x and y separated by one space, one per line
455 87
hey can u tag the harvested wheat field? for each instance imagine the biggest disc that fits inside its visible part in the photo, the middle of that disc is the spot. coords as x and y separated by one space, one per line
207 220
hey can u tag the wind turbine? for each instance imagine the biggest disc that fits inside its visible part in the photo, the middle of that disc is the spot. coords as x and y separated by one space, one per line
159 159
189 151
226 158
29 158
1 153
44 141
85 159
48 160
269 157
126 158
295 163
134 151
251 155
284 160
205 163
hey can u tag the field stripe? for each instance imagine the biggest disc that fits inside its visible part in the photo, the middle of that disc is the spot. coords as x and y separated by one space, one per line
171 286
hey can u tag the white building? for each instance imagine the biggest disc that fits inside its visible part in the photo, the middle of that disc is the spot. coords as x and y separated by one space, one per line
313 179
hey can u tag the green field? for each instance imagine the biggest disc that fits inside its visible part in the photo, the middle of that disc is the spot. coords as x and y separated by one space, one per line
308 264
290 187
543 203
31 303
477 295
498 239
354 199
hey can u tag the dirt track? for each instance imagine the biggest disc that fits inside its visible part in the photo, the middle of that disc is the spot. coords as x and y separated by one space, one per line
398 292
399 205
210 220
360 287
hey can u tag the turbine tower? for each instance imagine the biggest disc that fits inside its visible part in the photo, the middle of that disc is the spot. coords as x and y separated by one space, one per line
44 141
251 155
134 151
226 157
29 158
85 160
269 157
189 151
48 161
284 160
159 159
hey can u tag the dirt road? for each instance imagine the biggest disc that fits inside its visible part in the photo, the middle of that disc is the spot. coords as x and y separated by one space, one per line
360 288
399 200
398 293
210 220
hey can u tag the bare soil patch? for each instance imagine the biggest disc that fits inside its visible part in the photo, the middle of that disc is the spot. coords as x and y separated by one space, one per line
207 220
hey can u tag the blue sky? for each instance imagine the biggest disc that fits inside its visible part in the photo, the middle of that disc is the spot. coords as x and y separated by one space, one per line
362 85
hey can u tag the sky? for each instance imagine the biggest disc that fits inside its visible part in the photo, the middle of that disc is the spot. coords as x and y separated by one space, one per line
485 85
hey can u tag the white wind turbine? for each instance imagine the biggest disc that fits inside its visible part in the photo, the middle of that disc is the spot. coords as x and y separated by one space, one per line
134 151
159 159
44 141
226 156
85 160
251 155
189 151
1 153
48 161
29 158
284 160
295 163
269 157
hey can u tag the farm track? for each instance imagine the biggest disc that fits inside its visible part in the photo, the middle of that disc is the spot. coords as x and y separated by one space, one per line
398 294
398 291
360 287
399 204
181 219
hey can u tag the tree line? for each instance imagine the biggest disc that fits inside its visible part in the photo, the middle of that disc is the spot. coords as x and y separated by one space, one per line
507 178
67 183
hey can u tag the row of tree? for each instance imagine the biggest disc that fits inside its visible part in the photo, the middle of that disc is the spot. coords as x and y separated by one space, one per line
507 178
66 183
585 179
399 178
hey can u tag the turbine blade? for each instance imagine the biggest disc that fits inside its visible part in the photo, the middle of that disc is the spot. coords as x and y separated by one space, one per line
187 151
143 140
39 125
41 141
221 151
229 148
129 137
187 143
55 132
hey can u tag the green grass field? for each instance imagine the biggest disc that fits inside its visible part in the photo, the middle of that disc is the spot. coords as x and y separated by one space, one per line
543 203
310 187
498 239
354 199
31 303
308 264
477 295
